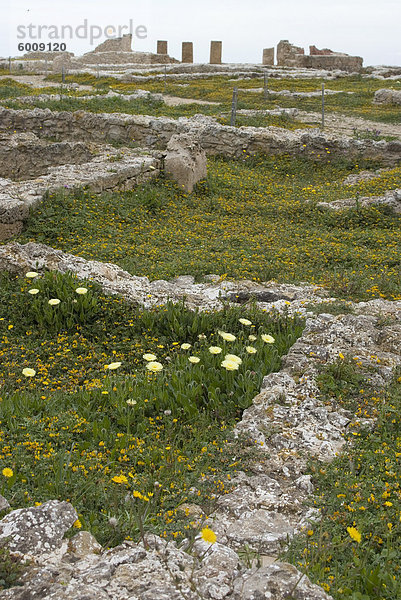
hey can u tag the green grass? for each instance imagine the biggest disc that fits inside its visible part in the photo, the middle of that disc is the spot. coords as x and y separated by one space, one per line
219 89
359 490
118 105
256 219
72 428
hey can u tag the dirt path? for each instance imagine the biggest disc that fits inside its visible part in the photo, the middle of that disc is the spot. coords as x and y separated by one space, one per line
337 123
177 101
38 81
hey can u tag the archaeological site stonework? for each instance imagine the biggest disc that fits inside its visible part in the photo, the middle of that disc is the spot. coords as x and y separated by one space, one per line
179 147
45 151
287 418
289 55
117 52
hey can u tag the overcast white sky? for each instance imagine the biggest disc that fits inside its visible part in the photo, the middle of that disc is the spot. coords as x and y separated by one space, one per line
368 28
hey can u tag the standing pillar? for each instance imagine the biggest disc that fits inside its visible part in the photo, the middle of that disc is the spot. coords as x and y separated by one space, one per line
162 47
268 57
187 52
215 53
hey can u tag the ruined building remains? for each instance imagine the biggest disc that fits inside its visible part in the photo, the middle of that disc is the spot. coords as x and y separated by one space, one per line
289 55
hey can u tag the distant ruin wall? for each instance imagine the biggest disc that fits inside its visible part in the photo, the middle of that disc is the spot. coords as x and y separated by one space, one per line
289 55
313 51
119 44
343 62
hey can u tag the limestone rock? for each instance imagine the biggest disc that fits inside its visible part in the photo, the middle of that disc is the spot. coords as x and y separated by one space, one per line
392 198
8 230
11 209
4 504
38 529
185 161
386 96
84 543
276 582
215 139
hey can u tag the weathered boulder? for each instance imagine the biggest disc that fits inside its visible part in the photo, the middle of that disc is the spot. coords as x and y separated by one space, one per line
185 161
276 582
38 529
391 198
385 96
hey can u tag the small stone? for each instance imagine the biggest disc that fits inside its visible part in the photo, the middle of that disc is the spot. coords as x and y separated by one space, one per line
4 504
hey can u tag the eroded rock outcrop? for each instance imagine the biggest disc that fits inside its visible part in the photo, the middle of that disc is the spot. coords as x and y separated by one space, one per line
185 161
386 96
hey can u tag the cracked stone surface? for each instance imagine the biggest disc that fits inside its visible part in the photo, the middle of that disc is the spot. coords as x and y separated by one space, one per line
38 529
391 198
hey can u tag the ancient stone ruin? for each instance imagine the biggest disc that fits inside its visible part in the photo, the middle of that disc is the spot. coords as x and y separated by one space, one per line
81 156
268 57
119 51
113 51
116 53
289 55
187 54
287 418
215 52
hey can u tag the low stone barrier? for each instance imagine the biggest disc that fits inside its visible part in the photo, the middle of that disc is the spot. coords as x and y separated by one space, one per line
155 132
101 174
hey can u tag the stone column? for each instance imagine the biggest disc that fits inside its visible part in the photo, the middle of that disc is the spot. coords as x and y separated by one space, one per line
215 53
187 52
162 47
268 56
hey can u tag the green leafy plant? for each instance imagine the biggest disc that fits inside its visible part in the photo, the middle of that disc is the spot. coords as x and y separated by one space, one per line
11 567
57 301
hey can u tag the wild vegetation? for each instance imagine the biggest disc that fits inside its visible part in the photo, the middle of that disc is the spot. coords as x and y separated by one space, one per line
131 412
126 413
256 219
352 549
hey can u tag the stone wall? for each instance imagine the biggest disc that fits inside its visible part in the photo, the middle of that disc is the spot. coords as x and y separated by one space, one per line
313 51
289 55
24 155
107 170
343 62
155 132
45 55
268 56
120 58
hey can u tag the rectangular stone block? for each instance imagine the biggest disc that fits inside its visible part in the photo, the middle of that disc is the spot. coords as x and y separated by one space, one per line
268 57
162 47
215 52
187 52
